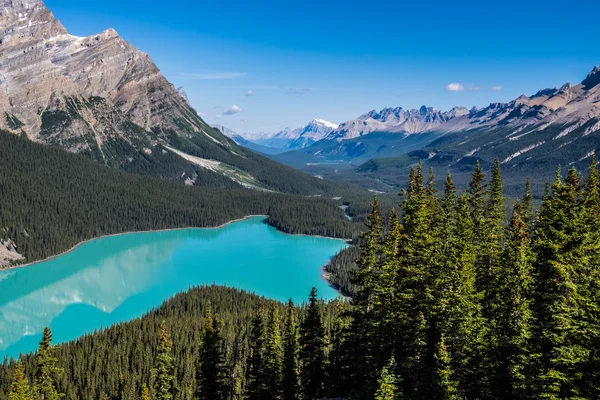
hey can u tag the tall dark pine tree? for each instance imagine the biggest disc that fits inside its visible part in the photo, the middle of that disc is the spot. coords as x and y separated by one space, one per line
163 372
416 267
477 196
291 349
590 283
312 350
273 356
458 314
362 332
511 318
562 258
211 375
257 386
491 241
47 372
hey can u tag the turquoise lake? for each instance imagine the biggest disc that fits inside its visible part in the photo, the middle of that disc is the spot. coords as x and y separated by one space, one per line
118 278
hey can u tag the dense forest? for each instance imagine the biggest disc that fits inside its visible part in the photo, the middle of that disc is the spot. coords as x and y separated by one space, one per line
450 301
50 200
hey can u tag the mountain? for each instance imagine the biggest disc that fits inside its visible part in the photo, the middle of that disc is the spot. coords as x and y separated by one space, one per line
395 120
531 136
101 97
316 130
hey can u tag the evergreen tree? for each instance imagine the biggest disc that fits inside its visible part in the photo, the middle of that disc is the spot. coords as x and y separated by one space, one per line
257 386
47 372
459 311
312 350
510 322
211 376
477 193
388 383
163 372
442 386
417 268
338 381
362 332
562 256
19 388
491 241
291 349
145 395
273 356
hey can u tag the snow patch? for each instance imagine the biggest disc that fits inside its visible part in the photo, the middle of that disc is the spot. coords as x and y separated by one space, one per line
523 150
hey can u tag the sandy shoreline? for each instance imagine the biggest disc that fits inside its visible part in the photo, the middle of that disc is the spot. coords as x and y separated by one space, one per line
157 230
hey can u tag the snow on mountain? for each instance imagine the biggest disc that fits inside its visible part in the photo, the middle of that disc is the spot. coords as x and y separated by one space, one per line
316 130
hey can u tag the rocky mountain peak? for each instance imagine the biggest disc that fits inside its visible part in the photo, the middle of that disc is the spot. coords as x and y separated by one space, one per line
26 20
592 79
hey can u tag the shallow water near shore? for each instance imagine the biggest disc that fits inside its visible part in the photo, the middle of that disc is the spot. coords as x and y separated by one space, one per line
119 278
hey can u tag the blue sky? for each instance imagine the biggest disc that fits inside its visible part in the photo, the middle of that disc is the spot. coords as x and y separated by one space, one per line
283 63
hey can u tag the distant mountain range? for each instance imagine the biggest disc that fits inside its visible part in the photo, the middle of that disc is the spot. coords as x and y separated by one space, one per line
285 140
101 97
392 132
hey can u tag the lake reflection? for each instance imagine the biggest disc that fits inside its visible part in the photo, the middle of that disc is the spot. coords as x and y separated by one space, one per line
119 278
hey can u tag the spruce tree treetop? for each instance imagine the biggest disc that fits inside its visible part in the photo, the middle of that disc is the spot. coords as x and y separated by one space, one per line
163 372
19 388
47 372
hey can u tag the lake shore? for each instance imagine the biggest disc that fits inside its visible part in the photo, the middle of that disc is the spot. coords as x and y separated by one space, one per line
18 266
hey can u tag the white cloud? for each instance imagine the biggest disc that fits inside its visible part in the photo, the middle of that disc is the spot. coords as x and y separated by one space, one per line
455 87
496 88
233 110
249 93
216 75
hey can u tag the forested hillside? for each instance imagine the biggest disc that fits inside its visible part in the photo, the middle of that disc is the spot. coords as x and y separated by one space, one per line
50 200
451 302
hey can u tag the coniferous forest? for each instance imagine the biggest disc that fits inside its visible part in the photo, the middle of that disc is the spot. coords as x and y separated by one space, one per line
50 200
452 299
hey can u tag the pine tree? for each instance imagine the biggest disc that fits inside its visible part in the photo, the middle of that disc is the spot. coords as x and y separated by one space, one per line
291 349
163 373
491 241
19 388
145 395
477 193
562 257
47 372
459 316
511 318
338 380
442 386
362 332
211 376
257 382
312 350
528 206
589 285
388 383
417 267
273 356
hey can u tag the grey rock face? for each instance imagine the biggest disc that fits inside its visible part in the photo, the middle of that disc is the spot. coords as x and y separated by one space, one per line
45 73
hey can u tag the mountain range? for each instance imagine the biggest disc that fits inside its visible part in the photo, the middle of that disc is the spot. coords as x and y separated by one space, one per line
101 97
284 140
530 134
